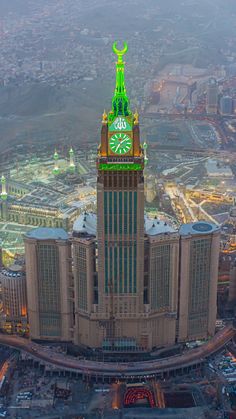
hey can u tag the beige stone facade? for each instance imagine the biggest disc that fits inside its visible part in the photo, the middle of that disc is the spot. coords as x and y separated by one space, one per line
85 287
49 284
163 287
199 260
151 324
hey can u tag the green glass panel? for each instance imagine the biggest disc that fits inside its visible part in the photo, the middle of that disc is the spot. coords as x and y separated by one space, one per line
115 212
105 212
135 270
115 270
106 269
120 213
110 212
130 268
125 212
125 270
130 212
135 212
110 279
120 268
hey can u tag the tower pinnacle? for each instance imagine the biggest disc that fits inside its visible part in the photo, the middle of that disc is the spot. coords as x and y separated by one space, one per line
120 101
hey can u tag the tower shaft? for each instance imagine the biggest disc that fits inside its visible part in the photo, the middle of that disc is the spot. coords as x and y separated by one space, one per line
120 203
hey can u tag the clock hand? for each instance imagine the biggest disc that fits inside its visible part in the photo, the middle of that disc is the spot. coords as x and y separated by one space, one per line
120 144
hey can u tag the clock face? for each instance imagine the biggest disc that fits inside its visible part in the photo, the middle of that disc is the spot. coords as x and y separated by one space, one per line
120 143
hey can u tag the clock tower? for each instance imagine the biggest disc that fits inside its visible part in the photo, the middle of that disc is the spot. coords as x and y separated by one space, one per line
120 210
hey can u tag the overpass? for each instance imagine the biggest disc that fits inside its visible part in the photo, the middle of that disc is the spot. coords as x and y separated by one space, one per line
64 362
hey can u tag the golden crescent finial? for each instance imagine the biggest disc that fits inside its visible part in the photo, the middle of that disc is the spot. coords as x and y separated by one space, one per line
121 52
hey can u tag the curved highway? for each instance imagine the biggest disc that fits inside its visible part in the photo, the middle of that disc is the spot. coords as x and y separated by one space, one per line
113 369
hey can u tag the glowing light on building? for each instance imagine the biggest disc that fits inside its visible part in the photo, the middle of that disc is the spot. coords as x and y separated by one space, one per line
132 395
4 190
72 160
56 169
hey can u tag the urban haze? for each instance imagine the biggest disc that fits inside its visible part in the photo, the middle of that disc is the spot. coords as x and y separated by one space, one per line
117 209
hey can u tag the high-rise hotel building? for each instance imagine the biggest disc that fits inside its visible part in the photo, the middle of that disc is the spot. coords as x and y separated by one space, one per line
49 284
137 282
199 255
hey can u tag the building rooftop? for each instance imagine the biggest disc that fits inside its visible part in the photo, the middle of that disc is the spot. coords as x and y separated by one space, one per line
216 168
14 271
200 227
154 227
44 233
86 223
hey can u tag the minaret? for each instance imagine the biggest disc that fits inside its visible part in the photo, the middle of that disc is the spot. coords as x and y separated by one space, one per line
56 169
120 226
4 190
145 146
72 160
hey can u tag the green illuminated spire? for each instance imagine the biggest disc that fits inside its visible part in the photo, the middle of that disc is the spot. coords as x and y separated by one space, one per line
72 160
56 169
120 101
4 191
55 155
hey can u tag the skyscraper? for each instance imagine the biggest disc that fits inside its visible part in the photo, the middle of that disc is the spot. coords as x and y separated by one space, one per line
199 249
120 203
226 105
123 302
49 284
212 96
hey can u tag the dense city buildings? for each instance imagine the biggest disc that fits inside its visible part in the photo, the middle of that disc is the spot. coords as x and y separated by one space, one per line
49 284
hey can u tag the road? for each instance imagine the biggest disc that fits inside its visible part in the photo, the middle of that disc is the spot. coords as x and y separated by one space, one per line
93 368
175 193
